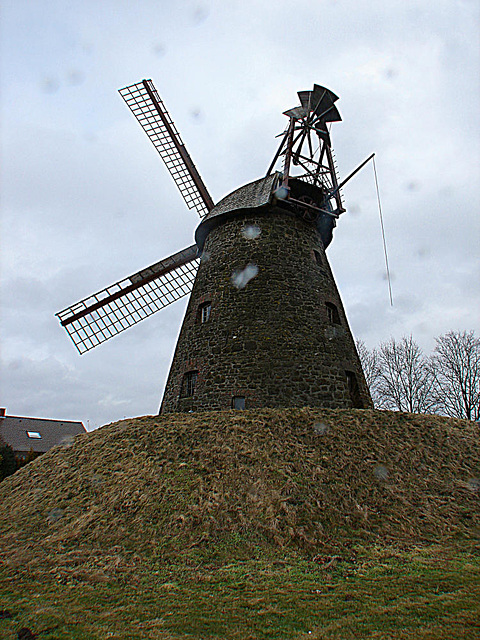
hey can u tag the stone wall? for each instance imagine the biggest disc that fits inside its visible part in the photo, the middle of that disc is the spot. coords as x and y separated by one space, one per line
273 340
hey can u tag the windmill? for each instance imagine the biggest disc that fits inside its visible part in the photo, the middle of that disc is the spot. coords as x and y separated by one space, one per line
265 325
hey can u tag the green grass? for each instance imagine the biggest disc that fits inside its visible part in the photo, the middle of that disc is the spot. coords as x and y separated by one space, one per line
209 526
424 593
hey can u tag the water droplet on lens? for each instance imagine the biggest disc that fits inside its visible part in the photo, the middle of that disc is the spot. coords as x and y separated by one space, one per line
50 85
385 276
391 73
196 114
321 428
474 484
200 14
281 193
159 50
66 441
54 515
240 279
423 252
251 231
381 472
413 185
75 77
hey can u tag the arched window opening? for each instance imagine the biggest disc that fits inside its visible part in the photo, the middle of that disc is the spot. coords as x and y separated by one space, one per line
332 313
188 384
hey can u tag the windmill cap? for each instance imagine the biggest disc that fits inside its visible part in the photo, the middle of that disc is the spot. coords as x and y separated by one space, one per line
259 195
250 196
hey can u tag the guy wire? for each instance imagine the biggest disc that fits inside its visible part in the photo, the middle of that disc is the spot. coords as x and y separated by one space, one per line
383 233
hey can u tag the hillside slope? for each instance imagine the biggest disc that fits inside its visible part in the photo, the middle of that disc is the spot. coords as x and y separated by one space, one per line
221 485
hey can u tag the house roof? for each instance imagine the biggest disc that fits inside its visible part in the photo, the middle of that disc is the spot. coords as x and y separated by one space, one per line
22 434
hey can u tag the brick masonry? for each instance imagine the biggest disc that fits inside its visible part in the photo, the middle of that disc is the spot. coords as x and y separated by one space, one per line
272 340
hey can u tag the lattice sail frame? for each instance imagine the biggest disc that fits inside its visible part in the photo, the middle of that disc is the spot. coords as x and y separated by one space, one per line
148 108
125 303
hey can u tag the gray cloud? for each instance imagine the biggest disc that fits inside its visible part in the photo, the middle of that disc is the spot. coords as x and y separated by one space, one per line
86 200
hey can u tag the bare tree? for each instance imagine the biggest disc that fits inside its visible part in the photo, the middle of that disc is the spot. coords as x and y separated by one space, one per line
456 366
406 381
370 361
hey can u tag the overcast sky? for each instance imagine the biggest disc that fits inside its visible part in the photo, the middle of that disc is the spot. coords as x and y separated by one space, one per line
86 200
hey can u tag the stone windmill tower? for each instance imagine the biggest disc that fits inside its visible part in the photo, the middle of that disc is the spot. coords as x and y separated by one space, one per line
265 325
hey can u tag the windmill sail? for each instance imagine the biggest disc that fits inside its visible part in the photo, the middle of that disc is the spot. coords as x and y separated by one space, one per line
125 303
147 106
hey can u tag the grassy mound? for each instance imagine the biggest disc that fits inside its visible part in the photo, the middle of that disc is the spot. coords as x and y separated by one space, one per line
218 485
257 524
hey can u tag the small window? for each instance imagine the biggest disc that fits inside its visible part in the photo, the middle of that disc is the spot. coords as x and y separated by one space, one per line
204 311
332 313
34 434
188 384
318 257
353 390
238 402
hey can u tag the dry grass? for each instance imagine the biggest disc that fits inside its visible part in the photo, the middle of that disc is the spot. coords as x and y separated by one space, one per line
206 491
300 479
